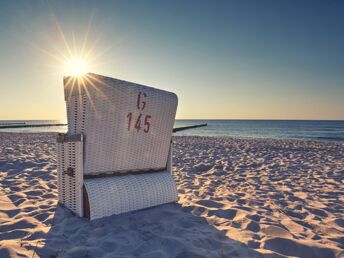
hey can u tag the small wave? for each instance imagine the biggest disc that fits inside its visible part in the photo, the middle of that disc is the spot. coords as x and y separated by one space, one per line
327 138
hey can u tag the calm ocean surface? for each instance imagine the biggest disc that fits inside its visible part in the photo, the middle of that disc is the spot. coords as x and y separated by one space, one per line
276 129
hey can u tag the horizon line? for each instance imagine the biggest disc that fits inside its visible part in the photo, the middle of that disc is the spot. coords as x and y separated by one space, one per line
201 119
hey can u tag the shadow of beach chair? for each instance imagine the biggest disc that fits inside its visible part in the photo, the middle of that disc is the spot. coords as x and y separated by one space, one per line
116 155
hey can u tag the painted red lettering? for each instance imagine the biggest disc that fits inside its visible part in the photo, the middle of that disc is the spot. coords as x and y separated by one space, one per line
129 120
138 123
141 104
147 123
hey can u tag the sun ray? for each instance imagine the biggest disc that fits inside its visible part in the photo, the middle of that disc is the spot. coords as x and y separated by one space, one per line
72 87
84 43
89 96
99 81
88 78
91 49
62 35
102 53
74 42
56 57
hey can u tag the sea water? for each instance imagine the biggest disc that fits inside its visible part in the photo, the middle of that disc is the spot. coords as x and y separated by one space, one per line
273 129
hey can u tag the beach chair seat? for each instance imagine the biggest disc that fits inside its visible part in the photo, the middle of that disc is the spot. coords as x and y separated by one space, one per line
115 195
116 155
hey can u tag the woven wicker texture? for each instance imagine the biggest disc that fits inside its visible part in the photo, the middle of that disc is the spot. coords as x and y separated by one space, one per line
119 194
127 126
76 112
70 156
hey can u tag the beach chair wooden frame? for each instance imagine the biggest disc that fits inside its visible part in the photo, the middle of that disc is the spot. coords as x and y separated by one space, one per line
117 154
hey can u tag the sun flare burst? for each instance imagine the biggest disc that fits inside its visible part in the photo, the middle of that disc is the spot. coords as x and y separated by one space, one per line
75 54
76 67
77 58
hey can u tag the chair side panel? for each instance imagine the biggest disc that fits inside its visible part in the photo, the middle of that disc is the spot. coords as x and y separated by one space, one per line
70 175
76 114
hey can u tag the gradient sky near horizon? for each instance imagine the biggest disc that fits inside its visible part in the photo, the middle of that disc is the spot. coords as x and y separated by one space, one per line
224 59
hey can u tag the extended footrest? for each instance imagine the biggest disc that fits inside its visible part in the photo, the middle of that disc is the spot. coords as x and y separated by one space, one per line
118 194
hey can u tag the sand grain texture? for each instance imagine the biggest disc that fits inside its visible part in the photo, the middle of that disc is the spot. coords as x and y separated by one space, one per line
237 198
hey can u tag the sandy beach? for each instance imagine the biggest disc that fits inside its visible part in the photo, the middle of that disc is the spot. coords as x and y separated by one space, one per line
236 198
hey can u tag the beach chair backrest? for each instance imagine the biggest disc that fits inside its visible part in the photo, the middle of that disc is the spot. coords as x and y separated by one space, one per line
126 126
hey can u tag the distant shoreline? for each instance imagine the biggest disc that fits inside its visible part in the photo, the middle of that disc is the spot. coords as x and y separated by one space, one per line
314 130
204 119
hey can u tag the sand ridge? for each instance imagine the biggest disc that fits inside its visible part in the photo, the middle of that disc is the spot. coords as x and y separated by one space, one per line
237 198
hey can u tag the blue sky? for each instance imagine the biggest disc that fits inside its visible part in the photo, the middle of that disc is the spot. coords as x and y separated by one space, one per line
224 59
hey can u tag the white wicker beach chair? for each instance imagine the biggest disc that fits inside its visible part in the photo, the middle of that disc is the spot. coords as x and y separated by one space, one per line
116 156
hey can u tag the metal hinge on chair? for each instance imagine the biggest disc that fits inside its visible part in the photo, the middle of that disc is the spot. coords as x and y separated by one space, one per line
70 172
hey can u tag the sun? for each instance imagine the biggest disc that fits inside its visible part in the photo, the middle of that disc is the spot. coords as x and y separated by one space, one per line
73 55
77 67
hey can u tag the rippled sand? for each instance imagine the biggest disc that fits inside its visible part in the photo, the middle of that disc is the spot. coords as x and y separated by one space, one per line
237 198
